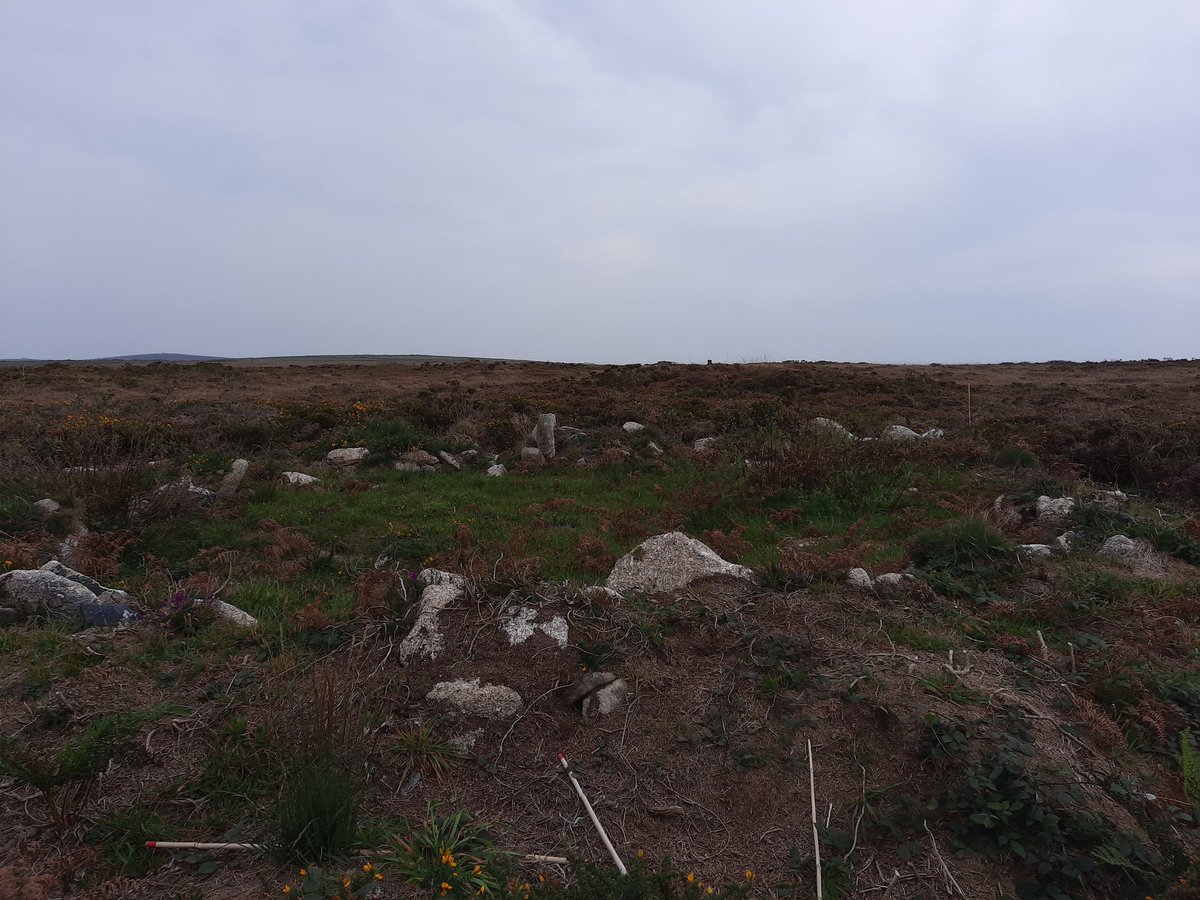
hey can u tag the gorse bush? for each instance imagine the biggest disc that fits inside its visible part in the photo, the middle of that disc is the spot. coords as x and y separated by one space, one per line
451 856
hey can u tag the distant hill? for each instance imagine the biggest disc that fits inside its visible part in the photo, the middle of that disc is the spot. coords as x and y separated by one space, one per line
158 357
187 358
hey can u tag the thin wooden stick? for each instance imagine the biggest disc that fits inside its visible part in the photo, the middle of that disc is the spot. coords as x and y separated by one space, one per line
592 814
812 793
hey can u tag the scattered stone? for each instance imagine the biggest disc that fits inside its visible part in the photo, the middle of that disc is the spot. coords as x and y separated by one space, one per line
465 742
9 616
859 578
449 460
1004 514
100 615
583 463
933 434
521 624
474 698
532 455
1120 546
1054 509
670 562
420 457
412 467
58 592
425 638
298 479
832 428
347 456
1035 551
544 434
654 448
1066 541
703 443
1112 501
48 507
470 453
633 427
565 434
588 684
231 482
607 699
496 471
231 613
899 433
894 585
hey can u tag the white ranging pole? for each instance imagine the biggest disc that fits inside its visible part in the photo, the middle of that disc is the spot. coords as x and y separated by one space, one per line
812 792
592 814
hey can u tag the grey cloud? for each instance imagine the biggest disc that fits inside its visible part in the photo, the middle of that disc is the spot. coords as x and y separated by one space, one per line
608 181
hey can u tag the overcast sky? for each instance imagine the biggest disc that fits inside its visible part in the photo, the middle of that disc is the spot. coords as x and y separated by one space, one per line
617 180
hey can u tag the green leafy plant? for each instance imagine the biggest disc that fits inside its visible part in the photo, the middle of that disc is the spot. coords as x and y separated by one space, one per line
452 855
316 883
422 751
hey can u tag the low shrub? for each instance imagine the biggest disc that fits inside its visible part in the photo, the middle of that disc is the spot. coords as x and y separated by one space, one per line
958 544
1016 458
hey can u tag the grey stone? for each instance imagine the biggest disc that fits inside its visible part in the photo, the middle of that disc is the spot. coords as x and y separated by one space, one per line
449 460
633 427
933 434
232 614
411 467
298 479
231 482
520 624
496 471
654 448
899 433
474 698
1054 509
9 616
532 455
588 684
47 592
566 434
1035 551
544 434
420 457
1120 546
468 454
1112 501
703 443
894 585
347 456
425 638
858 578
1066 541
48 507
832 428
670 562
607 699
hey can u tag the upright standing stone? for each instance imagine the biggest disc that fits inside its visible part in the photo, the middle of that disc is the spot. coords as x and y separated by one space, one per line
545 434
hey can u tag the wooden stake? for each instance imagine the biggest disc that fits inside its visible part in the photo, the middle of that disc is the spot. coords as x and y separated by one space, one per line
595 820
812 793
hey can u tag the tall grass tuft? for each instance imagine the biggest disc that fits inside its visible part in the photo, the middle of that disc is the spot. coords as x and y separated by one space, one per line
324 777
